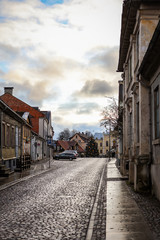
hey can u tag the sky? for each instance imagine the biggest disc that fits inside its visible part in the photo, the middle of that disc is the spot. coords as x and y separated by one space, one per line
62 56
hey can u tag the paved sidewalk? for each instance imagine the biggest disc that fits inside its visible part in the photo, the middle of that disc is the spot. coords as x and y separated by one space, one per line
36 168
124 219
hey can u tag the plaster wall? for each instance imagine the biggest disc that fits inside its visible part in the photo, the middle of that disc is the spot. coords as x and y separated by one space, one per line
147 27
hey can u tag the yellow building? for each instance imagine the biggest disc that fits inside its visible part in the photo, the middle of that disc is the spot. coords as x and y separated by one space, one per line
105 142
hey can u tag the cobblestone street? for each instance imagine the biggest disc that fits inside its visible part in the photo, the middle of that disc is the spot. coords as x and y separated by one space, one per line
54 205
85 199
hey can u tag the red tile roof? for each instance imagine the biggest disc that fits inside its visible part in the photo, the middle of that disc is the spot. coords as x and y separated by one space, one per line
19 106
66 145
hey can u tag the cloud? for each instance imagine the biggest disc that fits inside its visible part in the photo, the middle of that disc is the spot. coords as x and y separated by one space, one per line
104 57
95 88
8 52
78 108
87 108
32 95
48 51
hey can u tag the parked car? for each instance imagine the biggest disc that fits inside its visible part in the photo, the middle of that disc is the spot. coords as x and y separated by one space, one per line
64 155
72 151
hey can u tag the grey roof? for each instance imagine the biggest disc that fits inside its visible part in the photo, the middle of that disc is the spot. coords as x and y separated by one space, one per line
98 136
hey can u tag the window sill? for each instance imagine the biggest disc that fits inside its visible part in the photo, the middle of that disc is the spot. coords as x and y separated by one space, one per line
156 141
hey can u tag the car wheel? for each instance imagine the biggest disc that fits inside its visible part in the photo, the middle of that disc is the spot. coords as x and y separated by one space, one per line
71 159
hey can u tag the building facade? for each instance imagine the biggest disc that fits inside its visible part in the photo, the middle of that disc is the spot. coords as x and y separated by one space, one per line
140 24
15 138
81 138
42 131
106 144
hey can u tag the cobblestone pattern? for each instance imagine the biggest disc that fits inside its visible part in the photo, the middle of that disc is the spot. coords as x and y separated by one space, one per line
150 208
54 205
99 229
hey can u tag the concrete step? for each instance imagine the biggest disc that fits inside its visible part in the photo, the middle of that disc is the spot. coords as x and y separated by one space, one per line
2 167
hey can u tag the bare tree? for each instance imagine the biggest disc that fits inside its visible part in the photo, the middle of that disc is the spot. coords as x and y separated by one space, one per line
110 115
73 132
64 135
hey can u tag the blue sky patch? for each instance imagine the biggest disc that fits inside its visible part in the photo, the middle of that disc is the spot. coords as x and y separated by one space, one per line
52 2
4 66
2 19
65 21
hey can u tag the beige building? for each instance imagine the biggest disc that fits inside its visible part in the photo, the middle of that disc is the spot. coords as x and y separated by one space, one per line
139 62
81 138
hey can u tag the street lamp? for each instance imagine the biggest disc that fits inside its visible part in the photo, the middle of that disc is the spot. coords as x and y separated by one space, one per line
109 138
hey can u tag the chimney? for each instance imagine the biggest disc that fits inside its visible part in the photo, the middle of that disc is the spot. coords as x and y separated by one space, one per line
8 90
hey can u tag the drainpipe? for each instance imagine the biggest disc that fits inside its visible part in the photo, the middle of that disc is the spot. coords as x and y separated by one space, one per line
1 134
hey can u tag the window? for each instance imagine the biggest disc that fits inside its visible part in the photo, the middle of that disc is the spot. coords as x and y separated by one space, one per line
10 164
156 112
3 135
8 135
100 144
114 143
100 151
19 136
137 121
106 143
